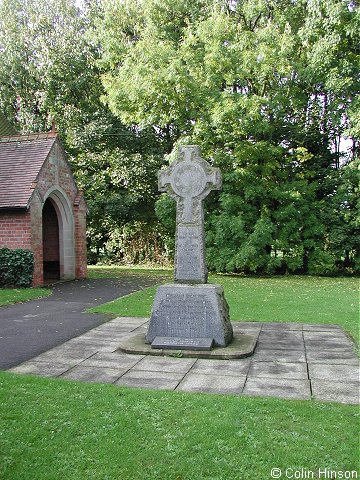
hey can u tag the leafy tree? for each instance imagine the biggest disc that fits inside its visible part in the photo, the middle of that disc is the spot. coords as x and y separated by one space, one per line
267 88
48 72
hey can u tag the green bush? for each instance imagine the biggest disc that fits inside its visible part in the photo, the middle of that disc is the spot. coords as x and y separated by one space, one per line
134 243
16 267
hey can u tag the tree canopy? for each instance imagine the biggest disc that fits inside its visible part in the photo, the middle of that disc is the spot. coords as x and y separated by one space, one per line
267 88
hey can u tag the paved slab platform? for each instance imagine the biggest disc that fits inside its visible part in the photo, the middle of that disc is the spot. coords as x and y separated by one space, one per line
293 361
241 346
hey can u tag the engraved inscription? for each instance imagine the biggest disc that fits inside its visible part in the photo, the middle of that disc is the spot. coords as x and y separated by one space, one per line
182 343
189 255
186 315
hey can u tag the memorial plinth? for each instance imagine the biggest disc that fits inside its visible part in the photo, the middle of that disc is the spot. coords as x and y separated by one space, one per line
182 313
189 314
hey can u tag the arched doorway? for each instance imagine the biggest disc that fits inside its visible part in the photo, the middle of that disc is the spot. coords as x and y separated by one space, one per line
58 258
51 251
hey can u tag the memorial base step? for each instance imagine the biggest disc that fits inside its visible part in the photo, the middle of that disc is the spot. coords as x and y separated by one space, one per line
241 346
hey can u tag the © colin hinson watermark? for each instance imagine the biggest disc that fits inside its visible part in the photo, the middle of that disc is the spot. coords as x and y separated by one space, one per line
319 473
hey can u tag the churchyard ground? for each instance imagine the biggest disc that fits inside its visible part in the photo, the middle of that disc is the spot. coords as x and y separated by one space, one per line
56 429
304 299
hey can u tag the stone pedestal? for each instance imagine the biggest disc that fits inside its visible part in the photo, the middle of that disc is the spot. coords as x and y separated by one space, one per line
189 317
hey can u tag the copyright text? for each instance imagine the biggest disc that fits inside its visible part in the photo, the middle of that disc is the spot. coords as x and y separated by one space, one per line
326 473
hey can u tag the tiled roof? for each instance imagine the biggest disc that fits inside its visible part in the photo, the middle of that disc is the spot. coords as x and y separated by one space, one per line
21 158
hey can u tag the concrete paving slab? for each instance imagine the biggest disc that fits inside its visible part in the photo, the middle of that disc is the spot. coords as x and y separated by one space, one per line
333 372
115 360
279 355
241 328
153 380
45 369
222 367
274 387
106 336
102 346
165 364
236 324
130 321
281 334
282 326
141 330
343 392
325 336
334 345
75 357
111 330
212 384
274 344
124 322
295 371
345 356
321 327
249 331
93 374
76 348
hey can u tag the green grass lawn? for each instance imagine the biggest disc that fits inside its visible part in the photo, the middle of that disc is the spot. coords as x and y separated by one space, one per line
302 299
53 429
117 271
16 295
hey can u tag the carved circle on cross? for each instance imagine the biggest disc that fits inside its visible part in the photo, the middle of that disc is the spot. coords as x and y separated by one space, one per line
188 179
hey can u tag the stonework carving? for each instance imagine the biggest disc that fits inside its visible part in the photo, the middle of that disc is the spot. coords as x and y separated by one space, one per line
187 312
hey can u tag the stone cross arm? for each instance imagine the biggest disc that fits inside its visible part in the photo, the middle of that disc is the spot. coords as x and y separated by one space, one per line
189 179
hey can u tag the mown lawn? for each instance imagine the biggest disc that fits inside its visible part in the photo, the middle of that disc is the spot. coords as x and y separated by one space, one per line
54 429
16 295
301 299
109 271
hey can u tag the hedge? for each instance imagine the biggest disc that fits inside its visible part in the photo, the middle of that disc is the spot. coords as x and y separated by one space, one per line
16 267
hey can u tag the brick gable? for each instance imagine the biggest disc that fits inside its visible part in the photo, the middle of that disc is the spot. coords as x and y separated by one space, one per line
33 172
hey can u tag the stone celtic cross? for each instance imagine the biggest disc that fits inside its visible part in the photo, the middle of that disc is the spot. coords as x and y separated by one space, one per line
189 179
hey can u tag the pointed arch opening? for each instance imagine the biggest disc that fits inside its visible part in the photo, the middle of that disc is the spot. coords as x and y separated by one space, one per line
58 236
51 250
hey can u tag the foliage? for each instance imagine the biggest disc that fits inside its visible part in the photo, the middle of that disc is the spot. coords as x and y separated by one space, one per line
135 243
16 267
60 429
48 72
267 88
268 91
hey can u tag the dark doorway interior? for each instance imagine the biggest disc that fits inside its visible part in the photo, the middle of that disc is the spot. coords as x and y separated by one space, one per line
51 255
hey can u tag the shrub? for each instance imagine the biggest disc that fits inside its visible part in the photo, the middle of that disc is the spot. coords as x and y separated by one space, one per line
16 267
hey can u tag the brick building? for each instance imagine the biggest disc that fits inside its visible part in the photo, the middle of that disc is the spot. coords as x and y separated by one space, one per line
41 208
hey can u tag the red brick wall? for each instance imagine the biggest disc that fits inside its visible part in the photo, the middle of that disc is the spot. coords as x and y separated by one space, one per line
15 229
